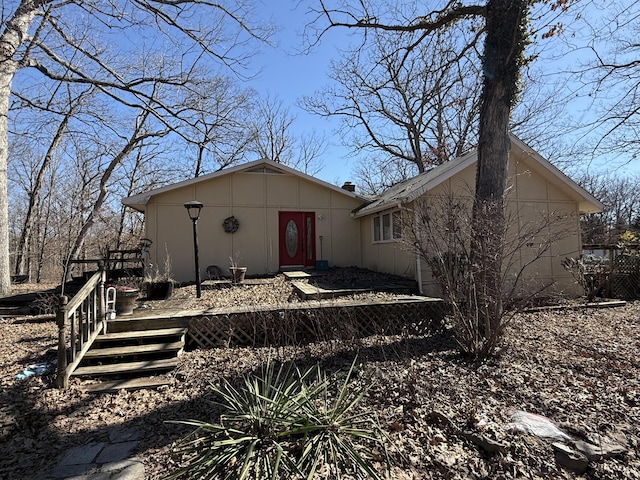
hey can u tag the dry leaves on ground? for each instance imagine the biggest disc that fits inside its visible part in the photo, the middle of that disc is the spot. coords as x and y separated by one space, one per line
579 368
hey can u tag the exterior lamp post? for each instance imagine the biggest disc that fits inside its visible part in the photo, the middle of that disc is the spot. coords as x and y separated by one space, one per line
193 209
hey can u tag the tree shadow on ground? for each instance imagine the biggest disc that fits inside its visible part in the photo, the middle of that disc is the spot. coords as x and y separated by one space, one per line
40 423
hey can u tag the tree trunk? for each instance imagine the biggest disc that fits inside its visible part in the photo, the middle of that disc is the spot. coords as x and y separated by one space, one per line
6 75
25 238
504 45
132 179
13 33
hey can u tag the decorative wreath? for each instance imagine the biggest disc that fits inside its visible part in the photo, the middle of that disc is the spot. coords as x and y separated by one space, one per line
230 224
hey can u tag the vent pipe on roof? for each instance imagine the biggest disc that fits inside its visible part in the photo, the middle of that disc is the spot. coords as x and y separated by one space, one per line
349 187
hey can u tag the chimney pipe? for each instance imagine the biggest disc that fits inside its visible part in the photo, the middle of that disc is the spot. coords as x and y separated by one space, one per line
349 187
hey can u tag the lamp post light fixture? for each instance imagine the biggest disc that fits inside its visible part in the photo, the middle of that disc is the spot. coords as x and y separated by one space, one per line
193 209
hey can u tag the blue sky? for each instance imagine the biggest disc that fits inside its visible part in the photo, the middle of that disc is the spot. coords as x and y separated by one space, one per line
288 75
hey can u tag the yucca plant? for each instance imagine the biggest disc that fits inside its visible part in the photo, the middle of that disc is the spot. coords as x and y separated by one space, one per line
283 423
338 436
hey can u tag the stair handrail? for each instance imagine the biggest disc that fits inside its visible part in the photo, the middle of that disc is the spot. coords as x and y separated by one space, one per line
85 316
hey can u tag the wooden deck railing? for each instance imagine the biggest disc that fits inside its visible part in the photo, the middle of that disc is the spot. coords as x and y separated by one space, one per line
80 320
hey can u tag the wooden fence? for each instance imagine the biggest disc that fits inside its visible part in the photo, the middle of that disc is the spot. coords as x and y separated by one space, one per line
621 269
328 320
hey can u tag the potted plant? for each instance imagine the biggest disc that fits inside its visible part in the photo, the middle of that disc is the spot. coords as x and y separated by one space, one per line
126 297
237 272
159 284
127 290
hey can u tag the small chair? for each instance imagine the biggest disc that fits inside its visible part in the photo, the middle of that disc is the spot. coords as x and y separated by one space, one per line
110 303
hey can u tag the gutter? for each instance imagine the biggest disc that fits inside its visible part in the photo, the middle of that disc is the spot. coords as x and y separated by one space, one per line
381 208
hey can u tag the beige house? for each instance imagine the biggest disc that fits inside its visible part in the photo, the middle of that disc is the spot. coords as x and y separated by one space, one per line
537 190
273 217
282 219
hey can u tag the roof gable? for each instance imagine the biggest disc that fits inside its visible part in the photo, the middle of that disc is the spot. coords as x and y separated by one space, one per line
264 166
411 189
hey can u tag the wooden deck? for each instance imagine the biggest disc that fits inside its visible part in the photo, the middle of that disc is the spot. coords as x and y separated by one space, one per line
136 350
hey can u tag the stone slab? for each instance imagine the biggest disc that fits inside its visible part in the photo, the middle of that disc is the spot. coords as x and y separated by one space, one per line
82 454
116 452
72 471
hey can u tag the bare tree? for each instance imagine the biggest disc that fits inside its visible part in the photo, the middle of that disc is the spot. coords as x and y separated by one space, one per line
612 80
621 199
407 104
139 175
30 218
217 124
273 139
139 134
505 23
67 41
440 229
88 131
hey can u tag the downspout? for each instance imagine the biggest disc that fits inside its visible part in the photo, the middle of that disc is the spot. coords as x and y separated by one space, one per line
418 263
419 273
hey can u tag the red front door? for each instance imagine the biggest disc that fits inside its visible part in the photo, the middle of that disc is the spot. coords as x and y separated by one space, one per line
297 246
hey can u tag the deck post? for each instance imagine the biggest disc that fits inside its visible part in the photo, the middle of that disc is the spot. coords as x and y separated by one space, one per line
102 309
62 381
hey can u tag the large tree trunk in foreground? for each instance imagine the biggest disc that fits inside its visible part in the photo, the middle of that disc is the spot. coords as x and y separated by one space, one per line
11 37
504 45
5 90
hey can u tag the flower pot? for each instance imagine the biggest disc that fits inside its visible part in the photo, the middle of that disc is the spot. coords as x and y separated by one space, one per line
237 274
126 300
159 290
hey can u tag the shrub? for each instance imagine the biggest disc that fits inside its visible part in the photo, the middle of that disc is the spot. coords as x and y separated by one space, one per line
591 273
284 423
485 271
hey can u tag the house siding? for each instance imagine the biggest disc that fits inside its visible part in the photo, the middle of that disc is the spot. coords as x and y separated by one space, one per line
256 193
255 199
389 257
530 195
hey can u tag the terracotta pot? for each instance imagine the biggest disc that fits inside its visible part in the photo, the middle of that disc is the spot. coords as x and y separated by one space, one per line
126 300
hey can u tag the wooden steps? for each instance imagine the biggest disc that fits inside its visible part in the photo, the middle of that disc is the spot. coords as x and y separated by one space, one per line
125 335
130 353
127 367
134 350
128 384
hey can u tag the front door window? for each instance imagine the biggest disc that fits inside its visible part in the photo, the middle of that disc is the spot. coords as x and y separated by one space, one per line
291 238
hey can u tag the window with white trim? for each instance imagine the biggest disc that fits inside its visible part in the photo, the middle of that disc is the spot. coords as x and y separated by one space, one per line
387 226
